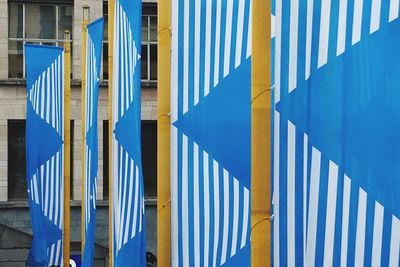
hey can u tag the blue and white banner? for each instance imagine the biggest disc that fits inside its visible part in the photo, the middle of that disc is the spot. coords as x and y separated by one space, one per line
336 133
94 44
129 236
45 151
210 131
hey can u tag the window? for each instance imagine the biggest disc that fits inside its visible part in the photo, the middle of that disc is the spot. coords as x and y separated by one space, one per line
37 24
17 159
149 158
149 42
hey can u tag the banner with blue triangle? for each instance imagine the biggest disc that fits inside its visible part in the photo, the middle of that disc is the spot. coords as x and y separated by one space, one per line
94 45
44 151
129 227
210 160
336 124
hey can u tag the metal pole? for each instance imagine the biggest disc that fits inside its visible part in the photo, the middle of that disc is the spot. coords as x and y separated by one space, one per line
67 142
163 135
85 22
261 134
111 5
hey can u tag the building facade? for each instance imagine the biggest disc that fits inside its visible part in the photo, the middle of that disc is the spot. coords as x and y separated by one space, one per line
44 22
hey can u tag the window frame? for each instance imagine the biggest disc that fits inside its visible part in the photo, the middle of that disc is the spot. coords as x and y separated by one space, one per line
57 41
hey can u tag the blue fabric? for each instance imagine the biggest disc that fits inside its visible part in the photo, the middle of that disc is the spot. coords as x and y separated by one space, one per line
93 65
211 131
44 152
347 112
129 227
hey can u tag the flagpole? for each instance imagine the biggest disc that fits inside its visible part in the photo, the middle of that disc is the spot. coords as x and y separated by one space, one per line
67 152
261 135
85 22
111 4
163 128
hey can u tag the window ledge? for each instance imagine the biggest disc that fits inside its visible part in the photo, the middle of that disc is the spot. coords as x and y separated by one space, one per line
74 82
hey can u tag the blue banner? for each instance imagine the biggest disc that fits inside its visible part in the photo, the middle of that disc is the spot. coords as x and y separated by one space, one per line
129 238
94 43
45 151
210 104
336 133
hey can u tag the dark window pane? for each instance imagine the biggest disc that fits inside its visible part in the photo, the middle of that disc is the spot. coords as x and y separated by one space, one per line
15 59
149 157
15 24
40 21
153 62
144 62
105 159
153 29
16 160
105 61
145 29
64 20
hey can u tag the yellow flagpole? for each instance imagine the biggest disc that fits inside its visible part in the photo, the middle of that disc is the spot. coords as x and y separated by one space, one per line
85 22
261 134
67 152
111 4
163 139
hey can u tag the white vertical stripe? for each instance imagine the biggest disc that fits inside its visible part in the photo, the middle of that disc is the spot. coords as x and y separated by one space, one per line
206 208
291 185
196 202
226 217
293 44
341 37
124 225
357 19
135 203
330 214
345 220
36 190
228 36
377 237
129 207
324 33
52 259
48 189
43 90
52 95
313 207
186 57
394 10
310 4
245 225
235 216
217 42
275 197
278 38
207 69
58 250
58 195
239 35
185 201
216 211
375 15
305 175
360 234
394 243
249 30
197 52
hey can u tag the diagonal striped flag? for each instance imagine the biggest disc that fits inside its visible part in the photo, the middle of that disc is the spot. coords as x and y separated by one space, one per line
93 60
129 239
44 151
336 125
211 87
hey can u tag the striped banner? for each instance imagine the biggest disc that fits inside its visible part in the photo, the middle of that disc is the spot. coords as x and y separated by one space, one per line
129 237
210 103
336 125
45 151
94 43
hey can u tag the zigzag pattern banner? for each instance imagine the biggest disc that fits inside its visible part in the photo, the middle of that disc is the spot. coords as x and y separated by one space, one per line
210 160
336 124
45 151
93 59
129 236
